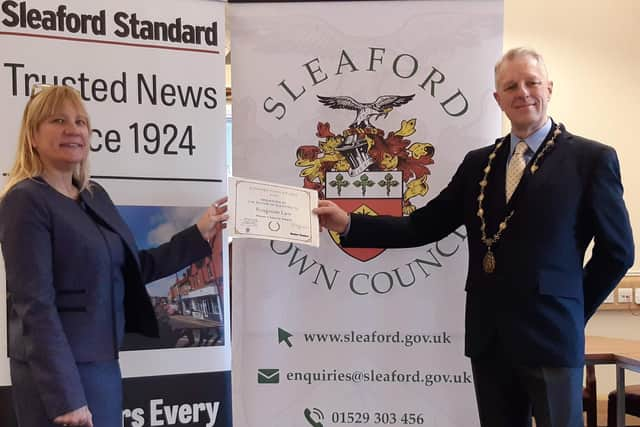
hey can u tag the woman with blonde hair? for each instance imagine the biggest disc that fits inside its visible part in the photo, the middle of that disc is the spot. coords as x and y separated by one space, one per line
75 278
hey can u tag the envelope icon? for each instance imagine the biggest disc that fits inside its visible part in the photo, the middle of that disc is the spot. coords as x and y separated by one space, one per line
268 376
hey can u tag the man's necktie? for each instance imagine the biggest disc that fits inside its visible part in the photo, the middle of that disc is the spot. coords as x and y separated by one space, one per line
515 168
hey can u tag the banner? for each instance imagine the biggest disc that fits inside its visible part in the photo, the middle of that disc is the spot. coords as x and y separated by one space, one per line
152 77
374 105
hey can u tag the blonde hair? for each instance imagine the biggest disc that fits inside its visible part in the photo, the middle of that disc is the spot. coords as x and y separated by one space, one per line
40 107
518 52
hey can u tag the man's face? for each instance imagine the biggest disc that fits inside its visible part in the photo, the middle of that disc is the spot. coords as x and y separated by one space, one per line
523 92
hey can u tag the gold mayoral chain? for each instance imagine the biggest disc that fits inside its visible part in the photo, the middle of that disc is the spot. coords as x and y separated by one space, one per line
489 260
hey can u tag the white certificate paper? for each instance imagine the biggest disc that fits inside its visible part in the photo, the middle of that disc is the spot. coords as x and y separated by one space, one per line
264 210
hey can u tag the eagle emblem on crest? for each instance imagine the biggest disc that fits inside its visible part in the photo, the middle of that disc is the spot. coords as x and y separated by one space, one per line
365 111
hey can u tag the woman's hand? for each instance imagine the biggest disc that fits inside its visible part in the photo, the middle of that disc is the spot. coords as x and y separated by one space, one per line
213 220
78 417
332 216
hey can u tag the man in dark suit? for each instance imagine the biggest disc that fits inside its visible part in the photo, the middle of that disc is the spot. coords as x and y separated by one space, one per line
531 204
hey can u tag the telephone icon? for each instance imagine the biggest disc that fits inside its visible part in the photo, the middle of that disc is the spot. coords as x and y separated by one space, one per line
314 417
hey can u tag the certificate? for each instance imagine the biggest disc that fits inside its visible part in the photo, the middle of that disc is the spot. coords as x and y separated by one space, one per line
264 210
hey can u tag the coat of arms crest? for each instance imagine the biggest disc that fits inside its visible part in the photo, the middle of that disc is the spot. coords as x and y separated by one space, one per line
366 169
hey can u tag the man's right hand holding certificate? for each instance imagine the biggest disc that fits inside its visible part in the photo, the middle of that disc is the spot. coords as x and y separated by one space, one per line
332 217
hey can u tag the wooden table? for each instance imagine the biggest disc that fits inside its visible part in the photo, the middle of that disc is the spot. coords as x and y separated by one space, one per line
625 354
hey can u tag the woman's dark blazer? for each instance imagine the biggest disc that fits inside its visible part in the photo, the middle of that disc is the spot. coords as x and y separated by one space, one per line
57 313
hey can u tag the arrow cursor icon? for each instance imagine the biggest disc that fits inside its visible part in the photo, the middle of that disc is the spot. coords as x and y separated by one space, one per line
283 336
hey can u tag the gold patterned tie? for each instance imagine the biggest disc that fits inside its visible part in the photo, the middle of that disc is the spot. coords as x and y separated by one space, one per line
515 168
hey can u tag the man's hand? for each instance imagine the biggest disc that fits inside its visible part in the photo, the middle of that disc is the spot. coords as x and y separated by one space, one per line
77 417
331 216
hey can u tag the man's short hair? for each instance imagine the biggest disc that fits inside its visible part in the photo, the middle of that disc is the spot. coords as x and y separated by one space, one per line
518 52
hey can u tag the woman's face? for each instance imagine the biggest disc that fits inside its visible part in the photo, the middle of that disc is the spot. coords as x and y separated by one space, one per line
62 140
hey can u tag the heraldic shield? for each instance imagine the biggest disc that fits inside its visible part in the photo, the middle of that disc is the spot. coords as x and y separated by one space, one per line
369 193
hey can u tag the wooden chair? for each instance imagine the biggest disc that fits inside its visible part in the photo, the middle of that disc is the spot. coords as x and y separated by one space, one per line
590 398
632 404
